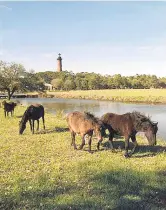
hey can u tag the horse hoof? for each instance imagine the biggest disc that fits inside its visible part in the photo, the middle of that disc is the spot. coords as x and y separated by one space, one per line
81 147
126 155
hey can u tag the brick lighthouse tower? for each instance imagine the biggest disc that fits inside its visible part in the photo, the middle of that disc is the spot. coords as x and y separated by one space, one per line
59 63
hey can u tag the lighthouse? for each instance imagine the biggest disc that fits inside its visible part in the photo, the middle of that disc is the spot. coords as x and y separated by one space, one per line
59 63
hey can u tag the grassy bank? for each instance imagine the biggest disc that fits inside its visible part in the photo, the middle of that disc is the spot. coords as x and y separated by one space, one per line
42 171
121 95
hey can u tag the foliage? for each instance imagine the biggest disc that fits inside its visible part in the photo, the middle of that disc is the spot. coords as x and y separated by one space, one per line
93 81
69 84
32 82
10 75
57 83
14 77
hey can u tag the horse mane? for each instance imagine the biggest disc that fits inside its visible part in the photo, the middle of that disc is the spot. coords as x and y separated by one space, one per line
91 117
25 116
138 118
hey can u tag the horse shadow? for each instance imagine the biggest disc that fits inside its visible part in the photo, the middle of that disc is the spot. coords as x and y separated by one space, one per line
54 130
19 116
140 151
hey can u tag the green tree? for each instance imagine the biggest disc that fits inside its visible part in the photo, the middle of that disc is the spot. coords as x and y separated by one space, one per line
69 84
31 82
57 83
10 77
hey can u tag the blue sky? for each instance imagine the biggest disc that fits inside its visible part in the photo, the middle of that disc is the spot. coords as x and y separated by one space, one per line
103 37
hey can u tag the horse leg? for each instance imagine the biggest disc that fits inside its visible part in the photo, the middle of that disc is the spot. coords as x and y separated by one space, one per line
83 142
89 143
111 136
5 113
90 140
37 125
133 138
43 122
30 122
98 144
73 139
33 125
126 154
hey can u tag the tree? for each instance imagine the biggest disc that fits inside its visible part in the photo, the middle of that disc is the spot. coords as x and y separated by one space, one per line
57 83
31 82
69 84
10 77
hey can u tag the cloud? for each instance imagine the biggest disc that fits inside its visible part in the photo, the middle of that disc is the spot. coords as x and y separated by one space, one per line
5 7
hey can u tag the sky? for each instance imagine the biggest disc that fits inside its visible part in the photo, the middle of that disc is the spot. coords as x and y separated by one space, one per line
126 38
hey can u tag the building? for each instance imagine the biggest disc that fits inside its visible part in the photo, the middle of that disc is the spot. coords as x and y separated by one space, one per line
59 63
48 86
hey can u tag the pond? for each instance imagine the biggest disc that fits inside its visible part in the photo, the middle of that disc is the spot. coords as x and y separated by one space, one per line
157 112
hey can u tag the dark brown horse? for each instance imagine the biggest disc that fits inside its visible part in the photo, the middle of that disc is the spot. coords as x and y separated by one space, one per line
8 107
128 125
32 113
83 124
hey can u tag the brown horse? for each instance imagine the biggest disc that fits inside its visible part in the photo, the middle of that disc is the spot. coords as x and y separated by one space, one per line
128 125
84 123
32 113
8 107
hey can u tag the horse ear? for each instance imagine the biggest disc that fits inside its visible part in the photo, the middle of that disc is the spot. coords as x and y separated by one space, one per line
155 123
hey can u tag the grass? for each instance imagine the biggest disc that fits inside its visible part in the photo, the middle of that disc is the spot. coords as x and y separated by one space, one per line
43 171
121 95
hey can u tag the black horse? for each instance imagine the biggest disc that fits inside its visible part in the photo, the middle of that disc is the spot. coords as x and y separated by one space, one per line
8 107
128 125
32 113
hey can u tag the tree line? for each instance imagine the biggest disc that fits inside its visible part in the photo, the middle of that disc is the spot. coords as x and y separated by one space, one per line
14 77
91 81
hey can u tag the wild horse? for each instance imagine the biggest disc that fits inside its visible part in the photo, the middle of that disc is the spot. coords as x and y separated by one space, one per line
128 125
32 113
83 124
8 107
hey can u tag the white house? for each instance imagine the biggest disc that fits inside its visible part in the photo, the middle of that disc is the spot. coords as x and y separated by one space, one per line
48 86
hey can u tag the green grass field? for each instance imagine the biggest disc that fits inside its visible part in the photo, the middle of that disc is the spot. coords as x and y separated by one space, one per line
43 171
123 95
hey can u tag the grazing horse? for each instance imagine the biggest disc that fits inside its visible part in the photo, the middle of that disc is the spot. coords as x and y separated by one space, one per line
128 125
32 113
83 124
8 107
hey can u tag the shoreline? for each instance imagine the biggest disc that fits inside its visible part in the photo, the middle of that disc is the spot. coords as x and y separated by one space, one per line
140 96
101 99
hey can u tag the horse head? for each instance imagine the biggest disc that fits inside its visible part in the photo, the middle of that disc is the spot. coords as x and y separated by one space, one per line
22 127
99 130
150 129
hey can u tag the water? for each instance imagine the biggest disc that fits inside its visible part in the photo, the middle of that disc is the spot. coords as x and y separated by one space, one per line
157 112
